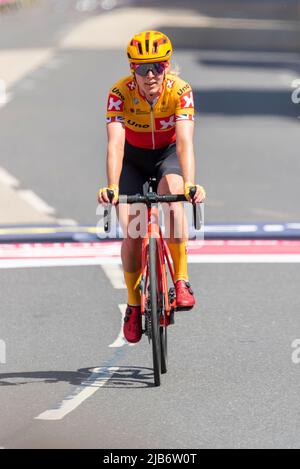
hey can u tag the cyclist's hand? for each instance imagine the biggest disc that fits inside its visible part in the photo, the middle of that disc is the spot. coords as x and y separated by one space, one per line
103 196
198 197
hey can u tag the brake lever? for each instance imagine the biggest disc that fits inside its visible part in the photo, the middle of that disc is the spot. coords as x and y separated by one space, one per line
197 216
107 211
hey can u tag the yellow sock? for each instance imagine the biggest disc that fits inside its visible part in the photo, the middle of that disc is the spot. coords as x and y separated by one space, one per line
179 257
134 297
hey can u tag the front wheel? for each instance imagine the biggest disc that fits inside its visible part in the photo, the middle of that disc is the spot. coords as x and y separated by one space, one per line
164 348
154 312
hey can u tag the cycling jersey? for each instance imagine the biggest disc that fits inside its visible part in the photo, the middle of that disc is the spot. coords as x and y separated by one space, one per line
150 126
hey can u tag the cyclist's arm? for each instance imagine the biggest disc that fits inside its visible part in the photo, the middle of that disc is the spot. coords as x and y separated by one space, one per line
185 149
115 151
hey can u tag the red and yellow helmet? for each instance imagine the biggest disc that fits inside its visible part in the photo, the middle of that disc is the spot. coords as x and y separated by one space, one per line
149 46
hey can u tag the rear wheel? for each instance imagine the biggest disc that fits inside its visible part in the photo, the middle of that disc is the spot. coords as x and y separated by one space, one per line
155 325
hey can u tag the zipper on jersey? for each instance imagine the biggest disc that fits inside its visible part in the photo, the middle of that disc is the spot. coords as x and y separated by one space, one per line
152 126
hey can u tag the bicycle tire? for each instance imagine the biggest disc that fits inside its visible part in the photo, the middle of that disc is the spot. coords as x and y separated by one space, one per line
164 349
155 325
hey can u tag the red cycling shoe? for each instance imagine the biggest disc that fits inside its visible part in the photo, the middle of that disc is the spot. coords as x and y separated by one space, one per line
132 327
185 299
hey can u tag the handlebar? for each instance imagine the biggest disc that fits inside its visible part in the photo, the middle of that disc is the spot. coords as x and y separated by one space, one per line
149 199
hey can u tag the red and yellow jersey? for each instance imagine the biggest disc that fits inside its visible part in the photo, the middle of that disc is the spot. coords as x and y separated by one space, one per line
149 126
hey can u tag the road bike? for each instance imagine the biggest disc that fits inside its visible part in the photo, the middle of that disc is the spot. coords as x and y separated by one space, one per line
158 300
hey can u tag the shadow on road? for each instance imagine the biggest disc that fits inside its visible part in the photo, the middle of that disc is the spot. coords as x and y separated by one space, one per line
233 39
125 377
246 102
276 65
256 9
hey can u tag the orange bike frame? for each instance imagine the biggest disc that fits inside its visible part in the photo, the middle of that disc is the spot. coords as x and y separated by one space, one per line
163 255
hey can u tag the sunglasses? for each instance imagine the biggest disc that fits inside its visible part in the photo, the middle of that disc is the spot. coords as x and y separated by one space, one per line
157 68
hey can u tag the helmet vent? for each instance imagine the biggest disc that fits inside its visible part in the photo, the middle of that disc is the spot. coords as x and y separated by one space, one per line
147 46
140 48
155 46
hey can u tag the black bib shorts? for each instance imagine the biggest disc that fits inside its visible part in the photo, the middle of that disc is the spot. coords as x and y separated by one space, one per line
139 164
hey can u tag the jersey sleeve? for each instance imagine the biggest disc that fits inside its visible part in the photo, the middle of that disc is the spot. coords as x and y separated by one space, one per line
185 108
116 102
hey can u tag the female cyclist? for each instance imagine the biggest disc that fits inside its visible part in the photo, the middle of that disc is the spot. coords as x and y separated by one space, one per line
150 129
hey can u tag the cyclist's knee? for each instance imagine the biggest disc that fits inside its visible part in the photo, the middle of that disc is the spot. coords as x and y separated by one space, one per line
133 220
132 245
171 184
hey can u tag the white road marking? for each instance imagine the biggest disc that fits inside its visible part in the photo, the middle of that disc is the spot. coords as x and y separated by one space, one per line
4 96
16 64
67 222
231 228
2 92
245 259
30 263
99 32
7 179
120 340
195 259
87 5
191 20
287 78
115 274
34 200
97 379
109 4
273 228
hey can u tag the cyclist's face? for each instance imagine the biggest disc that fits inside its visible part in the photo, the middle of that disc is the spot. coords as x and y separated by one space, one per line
151 83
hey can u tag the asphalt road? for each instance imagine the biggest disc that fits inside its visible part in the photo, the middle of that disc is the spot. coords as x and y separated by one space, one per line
246 141
232 381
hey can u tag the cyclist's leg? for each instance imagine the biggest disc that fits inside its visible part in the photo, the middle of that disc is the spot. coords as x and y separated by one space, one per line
138 166
131 248
175 225
132 221
129 216
171 182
